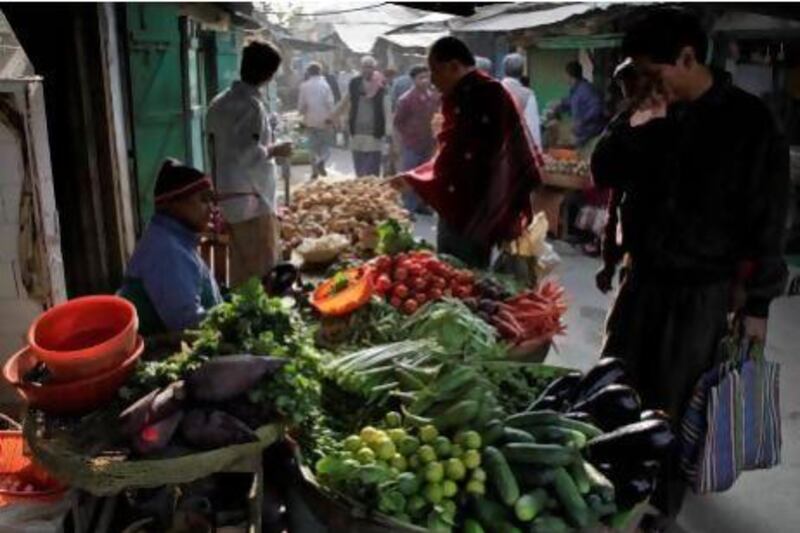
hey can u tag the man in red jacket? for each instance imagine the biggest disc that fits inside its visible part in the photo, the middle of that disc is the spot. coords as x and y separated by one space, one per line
482 176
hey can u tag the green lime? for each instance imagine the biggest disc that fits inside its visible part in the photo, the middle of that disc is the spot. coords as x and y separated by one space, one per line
397 434
428 434
353 443
385 449
449 489
479 474
476 487
472 440
472 459
433 493
426 453
456 451
442 446
455 470
434 472
393 419
414 462
399 462
416 505
408 445
407 483
368 434
365 456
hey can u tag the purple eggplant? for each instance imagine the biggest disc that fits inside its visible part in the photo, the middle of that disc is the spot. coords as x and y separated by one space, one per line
215 429
608 370
639 442
228 376
156 437
151 408
612 406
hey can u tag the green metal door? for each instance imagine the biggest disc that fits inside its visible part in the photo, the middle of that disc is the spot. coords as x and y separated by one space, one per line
154 44
194 96
546 70
228 46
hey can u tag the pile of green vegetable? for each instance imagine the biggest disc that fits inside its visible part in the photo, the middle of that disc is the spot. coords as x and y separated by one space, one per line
252 323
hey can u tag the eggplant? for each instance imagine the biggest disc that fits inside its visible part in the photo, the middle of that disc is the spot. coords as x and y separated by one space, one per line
642 441
580 416
151 408
281 279
654 414
228 376
563 388
546 403
608 370
634 491
155 437
613 406
215 429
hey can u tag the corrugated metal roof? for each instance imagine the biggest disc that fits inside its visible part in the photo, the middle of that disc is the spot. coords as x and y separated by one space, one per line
414 40
512 19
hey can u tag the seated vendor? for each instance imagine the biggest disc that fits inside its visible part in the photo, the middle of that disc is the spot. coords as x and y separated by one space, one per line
166 279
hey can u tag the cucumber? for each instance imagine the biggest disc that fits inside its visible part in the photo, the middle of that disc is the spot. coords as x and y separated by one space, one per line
493 432
472 526
549 524
544 454
516 435
457 416
414 420
559 435
600 484
531 504
490 513
587 429
571 499
581 478
500 475
533 477
532 418
487 403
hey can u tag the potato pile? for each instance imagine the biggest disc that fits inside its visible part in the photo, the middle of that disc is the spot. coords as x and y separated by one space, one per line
561 166
353 208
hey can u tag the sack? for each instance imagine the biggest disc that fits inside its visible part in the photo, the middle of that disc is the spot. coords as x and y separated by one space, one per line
520 257
732 423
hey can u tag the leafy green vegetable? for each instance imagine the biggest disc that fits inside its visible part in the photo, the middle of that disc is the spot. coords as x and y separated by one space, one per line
456 329
340 282
393 238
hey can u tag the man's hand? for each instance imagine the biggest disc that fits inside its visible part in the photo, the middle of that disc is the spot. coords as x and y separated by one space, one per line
755 328
283 149
604 279
652 107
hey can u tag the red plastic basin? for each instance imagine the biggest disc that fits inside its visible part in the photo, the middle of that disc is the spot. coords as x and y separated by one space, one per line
84 337
75 397
17 466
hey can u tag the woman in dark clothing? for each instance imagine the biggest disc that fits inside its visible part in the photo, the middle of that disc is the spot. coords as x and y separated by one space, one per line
706 174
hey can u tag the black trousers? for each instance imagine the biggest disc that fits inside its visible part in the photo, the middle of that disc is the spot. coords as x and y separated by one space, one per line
668 334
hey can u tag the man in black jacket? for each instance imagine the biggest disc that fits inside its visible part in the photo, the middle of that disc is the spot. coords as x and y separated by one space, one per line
366 106
705 176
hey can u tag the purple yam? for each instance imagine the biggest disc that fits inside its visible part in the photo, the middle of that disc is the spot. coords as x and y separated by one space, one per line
215 429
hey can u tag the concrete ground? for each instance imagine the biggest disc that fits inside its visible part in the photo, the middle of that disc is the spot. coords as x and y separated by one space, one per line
762 501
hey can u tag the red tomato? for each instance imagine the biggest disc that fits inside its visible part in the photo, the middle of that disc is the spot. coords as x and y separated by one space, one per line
410 306
466 277
435 294
460 291
415 270
400 291
420 283
421 298
383 284
384 263
400 274
439 282
396 302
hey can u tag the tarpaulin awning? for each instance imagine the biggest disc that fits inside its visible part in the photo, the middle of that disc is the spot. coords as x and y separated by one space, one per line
360 38
413 40
514 19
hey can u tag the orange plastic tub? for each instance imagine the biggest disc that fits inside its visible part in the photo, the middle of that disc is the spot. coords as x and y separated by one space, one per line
75 397
18 473
84 337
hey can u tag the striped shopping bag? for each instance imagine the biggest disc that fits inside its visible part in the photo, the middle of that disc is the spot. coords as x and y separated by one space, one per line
732 423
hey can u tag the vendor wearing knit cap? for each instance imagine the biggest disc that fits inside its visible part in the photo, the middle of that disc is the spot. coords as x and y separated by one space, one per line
166 279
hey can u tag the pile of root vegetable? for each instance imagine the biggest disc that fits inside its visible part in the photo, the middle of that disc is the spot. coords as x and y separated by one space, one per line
353 208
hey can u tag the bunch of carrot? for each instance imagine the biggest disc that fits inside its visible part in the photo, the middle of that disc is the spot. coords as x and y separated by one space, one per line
531 315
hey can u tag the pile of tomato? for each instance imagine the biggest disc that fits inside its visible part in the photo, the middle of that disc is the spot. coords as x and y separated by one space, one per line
410 280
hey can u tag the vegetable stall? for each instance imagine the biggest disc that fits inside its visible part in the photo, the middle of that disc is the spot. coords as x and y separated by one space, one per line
410 387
